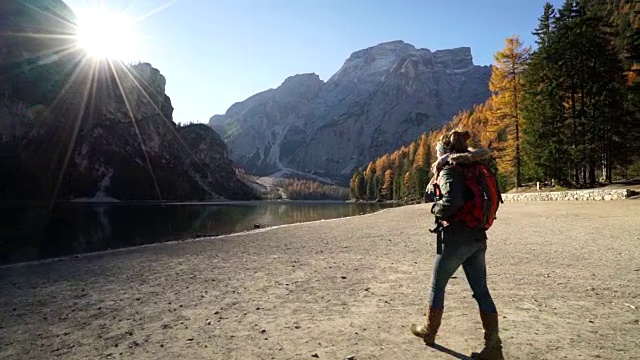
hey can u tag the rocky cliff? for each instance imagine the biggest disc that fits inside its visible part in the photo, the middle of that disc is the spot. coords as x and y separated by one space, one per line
75 128
381 98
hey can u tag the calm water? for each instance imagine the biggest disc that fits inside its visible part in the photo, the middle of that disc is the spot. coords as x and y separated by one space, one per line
33 233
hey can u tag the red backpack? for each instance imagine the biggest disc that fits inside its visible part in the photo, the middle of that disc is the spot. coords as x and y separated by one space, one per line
479 212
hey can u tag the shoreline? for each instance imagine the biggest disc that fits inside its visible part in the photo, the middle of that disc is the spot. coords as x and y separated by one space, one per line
172 203
530 195
171 242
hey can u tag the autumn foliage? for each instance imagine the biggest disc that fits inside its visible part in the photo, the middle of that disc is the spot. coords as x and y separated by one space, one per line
400 175
562 112
296 189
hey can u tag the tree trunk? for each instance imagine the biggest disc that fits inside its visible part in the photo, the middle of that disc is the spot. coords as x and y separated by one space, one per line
576 166
592 172
518 157
517 125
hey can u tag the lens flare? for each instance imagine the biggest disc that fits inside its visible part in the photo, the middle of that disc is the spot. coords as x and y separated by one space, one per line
107 39
106 34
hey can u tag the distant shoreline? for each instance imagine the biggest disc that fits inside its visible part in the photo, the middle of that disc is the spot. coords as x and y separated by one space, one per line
10 203
169 242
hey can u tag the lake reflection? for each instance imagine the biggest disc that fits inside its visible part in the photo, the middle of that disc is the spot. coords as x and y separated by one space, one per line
33 233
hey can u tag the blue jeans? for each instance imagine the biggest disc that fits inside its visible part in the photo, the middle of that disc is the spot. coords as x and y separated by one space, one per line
460 249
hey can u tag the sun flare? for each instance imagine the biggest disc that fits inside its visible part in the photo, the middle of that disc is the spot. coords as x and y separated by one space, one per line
105 34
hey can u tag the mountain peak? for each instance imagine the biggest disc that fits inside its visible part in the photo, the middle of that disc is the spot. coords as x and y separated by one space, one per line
373 60
389 49
300 79
301 86
393 44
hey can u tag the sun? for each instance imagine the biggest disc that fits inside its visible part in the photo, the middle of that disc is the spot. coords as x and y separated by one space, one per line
104 34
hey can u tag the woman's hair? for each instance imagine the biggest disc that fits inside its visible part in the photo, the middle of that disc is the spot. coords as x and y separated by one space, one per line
454 142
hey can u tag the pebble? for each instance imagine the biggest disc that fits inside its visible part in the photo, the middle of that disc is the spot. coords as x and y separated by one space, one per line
315 355
350 357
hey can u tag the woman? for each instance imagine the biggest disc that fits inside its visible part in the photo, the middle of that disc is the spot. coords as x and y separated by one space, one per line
460 245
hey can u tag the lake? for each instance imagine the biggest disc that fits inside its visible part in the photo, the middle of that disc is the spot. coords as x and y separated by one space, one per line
33 233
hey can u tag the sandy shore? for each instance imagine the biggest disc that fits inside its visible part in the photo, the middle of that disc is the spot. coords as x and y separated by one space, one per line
565 278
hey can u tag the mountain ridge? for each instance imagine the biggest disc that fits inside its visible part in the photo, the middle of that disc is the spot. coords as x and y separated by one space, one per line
382 96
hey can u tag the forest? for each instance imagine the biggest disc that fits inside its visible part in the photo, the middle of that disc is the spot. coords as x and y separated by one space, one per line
299 189
564 112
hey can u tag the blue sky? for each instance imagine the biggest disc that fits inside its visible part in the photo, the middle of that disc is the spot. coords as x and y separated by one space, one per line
215 53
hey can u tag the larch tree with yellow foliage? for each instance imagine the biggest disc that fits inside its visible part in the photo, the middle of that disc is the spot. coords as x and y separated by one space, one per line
421 164
369 174
506 91
387 186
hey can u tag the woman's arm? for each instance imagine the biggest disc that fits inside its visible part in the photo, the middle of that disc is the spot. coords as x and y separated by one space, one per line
452 188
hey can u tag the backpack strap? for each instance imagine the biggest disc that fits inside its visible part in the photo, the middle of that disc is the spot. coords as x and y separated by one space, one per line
438 222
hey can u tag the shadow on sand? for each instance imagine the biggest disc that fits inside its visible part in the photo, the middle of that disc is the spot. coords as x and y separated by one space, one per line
448 351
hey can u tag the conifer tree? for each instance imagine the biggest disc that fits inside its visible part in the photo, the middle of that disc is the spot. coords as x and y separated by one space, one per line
506 87
408 180
574 110
369 175
387 187
356 186
545 27
352 186
360 185
421 166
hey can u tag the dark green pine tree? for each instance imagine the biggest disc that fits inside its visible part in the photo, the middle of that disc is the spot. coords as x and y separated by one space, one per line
357 185
574 104
628 41
545 27
360 185
544 145
545 149
378 181
397 186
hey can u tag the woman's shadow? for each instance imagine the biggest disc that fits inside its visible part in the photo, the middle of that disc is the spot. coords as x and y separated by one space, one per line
448 351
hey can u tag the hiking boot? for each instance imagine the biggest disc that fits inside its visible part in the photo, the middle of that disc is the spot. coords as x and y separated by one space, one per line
429 329
492 343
